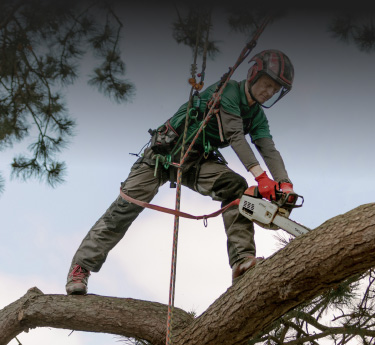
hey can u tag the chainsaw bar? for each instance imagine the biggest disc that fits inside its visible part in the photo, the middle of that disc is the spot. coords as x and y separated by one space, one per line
290 226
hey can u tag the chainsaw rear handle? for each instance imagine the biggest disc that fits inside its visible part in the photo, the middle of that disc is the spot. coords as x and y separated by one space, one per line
282 199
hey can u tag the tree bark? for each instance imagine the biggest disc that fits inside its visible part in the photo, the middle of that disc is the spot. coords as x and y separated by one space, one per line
307 266
92 313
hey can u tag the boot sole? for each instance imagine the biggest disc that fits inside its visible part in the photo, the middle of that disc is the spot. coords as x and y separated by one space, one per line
77 290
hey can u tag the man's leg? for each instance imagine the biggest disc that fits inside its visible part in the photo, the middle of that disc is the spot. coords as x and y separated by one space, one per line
215 179
141 184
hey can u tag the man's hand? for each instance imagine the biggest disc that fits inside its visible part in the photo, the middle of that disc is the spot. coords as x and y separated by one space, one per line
287 188
267 187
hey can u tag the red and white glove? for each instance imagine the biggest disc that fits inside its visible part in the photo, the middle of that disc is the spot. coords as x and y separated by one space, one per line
287 188
267 187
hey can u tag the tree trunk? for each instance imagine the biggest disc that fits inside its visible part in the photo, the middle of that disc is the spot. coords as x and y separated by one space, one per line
310 264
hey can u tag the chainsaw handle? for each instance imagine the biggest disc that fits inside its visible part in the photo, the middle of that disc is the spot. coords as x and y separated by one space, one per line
254 192
291 204
281 198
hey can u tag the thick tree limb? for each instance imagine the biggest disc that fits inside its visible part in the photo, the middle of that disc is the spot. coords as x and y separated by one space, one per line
92 313
310 264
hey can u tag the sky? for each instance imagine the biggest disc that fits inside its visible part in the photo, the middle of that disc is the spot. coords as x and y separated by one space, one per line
323 129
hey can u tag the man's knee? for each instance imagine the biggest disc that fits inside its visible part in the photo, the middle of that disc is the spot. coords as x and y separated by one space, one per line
230 186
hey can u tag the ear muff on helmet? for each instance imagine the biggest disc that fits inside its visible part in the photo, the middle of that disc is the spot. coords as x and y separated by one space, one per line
277 66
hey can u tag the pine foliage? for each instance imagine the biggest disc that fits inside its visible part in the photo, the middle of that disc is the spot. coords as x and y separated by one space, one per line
344 314
192 28
41 45
357 28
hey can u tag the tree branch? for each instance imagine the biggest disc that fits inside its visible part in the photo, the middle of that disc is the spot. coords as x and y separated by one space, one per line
305 268
330 331
91 313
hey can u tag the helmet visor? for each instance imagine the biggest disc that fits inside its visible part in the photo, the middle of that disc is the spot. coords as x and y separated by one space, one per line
275 98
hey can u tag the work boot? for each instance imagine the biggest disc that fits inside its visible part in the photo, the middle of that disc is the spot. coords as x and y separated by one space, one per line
77 281
241 266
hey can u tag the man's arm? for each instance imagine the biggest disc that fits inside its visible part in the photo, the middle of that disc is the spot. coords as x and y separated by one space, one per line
233 132
256 170
273 159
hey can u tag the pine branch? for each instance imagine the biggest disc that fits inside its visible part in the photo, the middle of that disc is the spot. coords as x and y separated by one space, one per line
332 331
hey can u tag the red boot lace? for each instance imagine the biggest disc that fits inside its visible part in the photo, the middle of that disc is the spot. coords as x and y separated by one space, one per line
78 273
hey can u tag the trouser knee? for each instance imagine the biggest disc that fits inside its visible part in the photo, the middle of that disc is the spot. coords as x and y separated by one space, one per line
230 186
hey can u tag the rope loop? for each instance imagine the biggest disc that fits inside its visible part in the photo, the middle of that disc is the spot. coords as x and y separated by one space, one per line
193 114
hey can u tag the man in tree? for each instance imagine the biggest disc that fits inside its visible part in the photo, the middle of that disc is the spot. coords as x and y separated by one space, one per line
241 112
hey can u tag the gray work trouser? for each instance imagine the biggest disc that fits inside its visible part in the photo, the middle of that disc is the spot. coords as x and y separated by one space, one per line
210 177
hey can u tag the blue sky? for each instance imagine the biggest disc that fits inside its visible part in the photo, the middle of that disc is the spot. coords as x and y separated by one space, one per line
323 129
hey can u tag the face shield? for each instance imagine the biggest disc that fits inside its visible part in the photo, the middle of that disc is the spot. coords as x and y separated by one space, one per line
259 89
275 98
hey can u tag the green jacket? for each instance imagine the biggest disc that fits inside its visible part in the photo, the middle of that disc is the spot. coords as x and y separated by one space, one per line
233 101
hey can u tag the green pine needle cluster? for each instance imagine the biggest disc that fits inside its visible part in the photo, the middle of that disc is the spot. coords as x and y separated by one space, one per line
41 46
357 28
342 315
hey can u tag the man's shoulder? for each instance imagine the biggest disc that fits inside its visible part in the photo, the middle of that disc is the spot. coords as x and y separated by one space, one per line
232 91
233 85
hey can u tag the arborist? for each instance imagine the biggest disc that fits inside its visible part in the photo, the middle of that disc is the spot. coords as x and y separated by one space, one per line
205 171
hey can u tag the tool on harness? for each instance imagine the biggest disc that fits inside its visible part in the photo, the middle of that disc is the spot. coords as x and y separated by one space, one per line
195 85
163 138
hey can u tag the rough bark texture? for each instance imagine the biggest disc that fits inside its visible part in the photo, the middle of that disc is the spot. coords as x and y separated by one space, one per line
310 264
92 313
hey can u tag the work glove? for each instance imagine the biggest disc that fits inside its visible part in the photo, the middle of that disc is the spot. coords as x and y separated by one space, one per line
267 187
287 187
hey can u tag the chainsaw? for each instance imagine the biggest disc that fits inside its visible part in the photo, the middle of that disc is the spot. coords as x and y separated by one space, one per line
272 215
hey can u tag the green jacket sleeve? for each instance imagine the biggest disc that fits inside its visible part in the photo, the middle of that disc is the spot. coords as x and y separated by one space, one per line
273 159
234 134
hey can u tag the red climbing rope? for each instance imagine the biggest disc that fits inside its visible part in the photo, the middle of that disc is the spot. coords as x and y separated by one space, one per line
176 212
172 284
220 88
